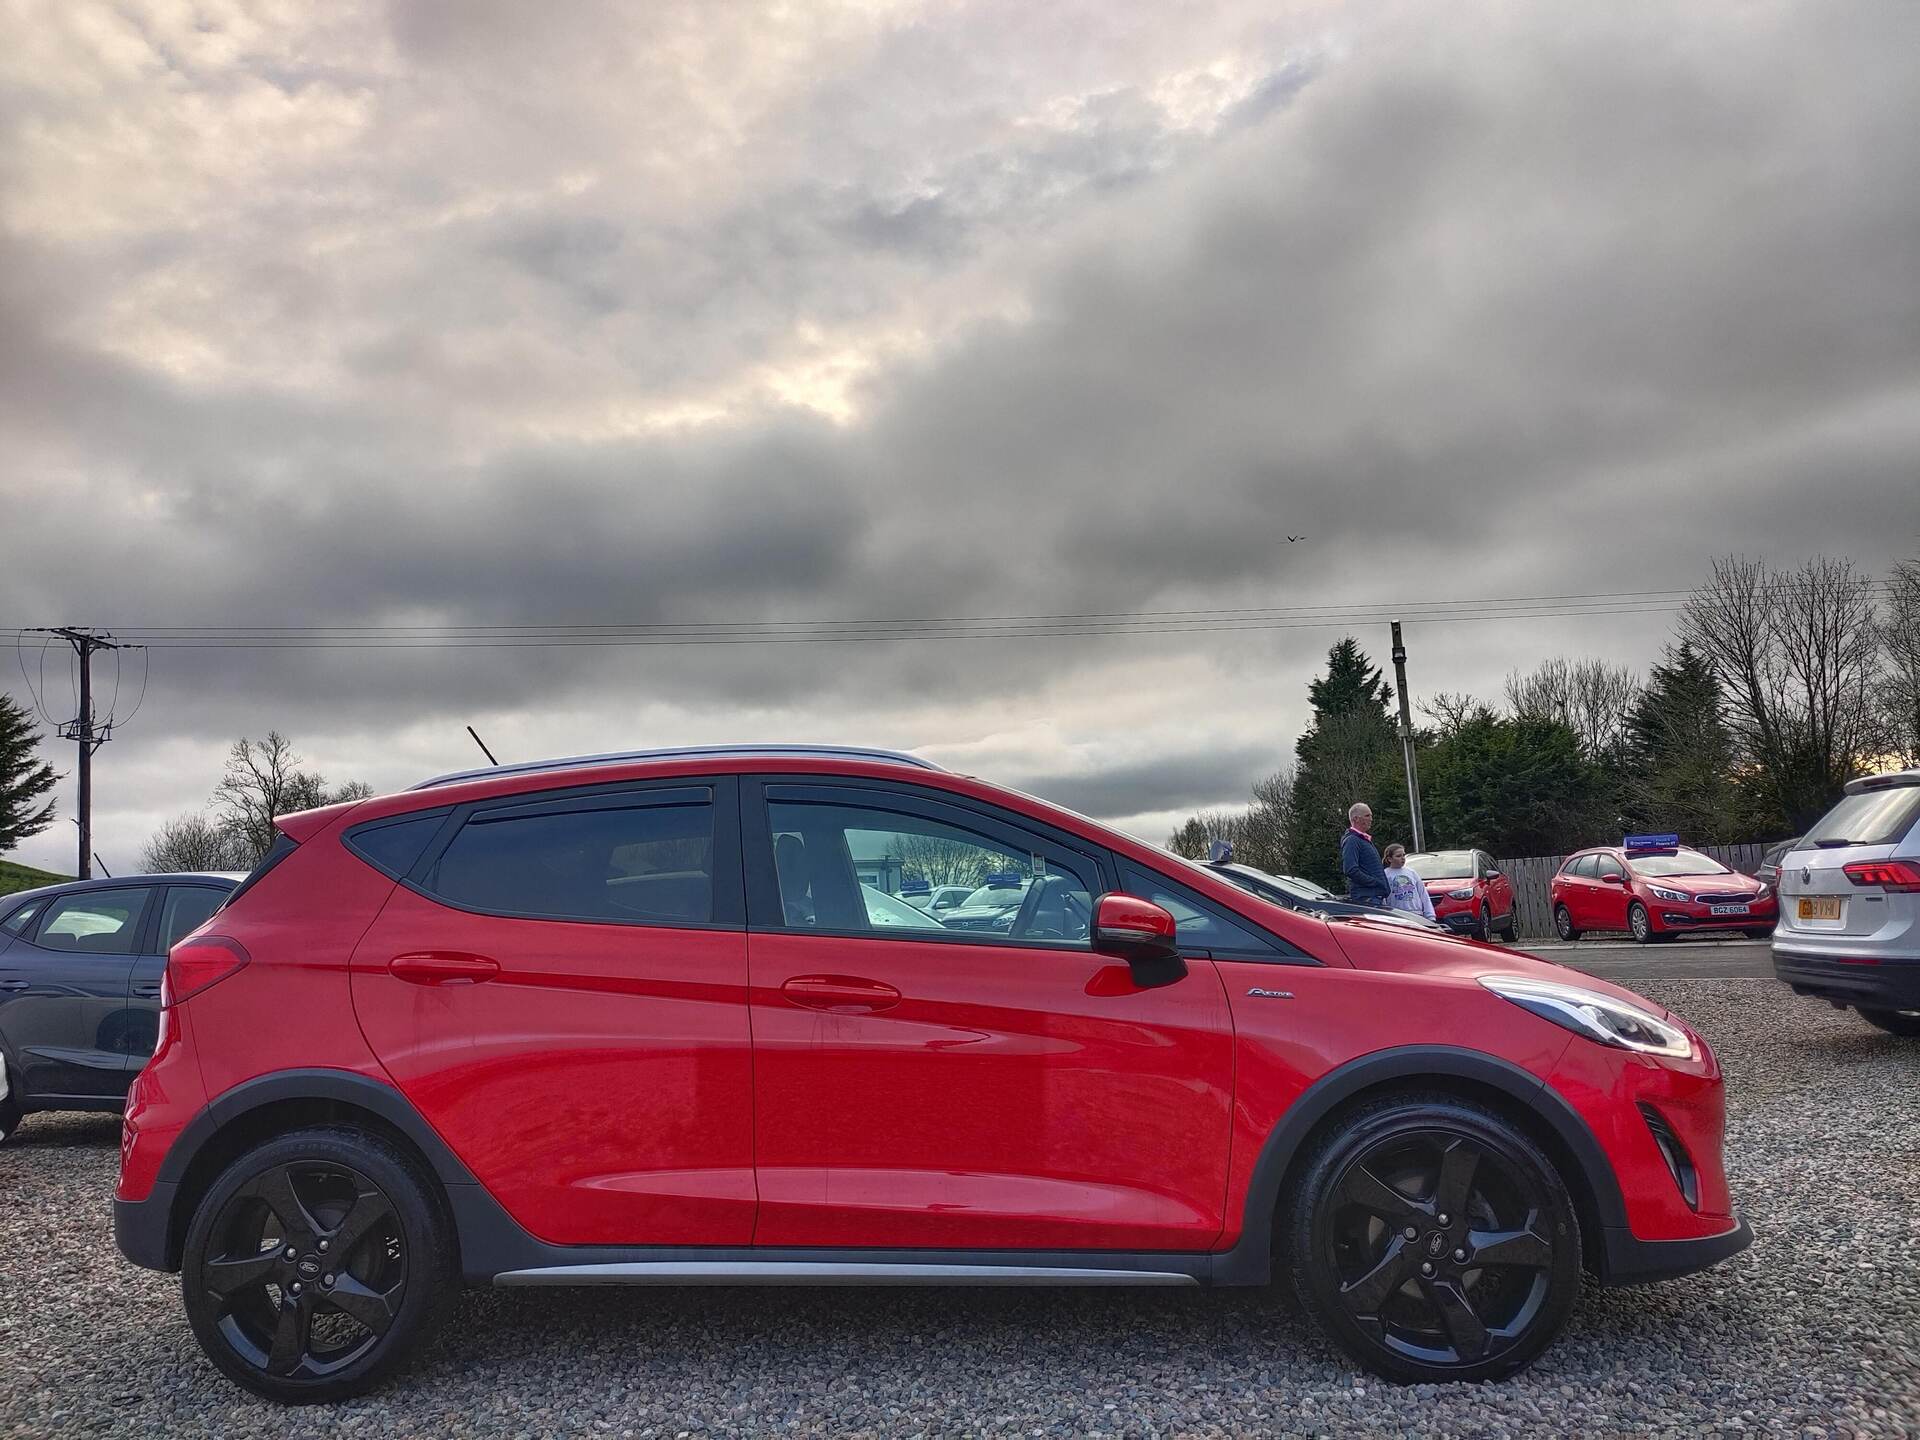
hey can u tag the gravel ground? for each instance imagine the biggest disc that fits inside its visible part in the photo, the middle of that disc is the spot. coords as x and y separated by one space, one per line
1815 1330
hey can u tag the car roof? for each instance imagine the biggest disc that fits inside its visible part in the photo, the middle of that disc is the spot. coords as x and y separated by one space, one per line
684 752
111 882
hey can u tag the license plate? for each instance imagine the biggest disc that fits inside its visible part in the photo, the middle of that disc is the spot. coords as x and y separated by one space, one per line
1819 907
1730 909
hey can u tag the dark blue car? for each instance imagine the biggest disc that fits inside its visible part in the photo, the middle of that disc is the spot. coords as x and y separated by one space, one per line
80 968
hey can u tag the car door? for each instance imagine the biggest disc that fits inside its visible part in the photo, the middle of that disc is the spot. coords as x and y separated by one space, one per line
1499 888
1576 890
558 985
1611 894
920 1086
63 993
182 908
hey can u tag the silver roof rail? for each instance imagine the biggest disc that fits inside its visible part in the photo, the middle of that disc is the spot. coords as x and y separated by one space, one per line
687 752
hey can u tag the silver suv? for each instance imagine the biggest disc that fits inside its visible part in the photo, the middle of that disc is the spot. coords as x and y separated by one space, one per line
1849 928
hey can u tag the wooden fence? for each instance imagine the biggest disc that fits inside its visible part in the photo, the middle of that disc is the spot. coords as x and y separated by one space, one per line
1530 879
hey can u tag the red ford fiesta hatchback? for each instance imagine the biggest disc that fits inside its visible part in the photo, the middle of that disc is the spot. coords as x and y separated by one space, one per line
664 1019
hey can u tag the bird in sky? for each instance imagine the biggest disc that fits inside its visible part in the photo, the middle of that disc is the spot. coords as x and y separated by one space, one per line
1295 539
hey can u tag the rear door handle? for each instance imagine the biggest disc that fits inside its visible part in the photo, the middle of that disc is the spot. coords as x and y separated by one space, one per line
15 984
443 967
844 994
147 989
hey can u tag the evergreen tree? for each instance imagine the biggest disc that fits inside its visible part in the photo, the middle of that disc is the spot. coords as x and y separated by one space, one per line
1513 787
1340 759
1680 773
24 778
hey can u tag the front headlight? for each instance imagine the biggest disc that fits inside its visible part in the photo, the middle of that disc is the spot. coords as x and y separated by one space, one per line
1596 1016
1681 896
1466 894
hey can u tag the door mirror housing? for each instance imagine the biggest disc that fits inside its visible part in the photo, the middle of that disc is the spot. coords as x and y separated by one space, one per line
1492 875
1135 929
1614 878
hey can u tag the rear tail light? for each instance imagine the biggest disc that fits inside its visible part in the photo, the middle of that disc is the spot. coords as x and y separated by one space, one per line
1901 875
194 964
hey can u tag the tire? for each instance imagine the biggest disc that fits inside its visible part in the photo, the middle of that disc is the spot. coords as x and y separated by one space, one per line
1640 923
1759 933
398 1258
1563 924
1431 1308
1894 1022
1483 928
1510 932
10 1116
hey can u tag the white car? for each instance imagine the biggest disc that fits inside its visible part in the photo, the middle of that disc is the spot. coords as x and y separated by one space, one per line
1849 928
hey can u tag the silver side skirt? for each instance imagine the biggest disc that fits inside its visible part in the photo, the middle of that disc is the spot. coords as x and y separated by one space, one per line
808 1272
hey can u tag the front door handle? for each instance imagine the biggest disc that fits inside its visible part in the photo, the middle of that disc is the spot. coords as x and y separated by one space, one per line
842 994
15 984
147 989
443 967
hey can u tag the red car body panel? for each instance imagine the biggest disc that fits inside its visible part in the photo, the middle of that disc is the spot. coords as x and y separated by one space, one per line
1011 1098
646 1085
601 1085
1599 904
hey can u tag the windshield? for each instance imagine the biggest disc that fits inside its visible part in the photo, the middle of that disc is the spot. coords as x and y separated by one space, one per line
1875 817
998 897
890 911
1259 882
1681 862
1443 865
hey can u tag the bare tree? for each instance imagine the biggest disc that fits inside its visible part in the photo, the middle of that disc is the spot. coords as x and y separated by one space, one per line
939 861
1900 642
1451 710
195 842
264 781
1592 698
1799 654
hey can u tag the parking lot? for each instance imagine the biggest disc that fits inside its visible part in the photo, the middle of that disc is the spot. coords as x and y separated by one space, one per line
1815 1329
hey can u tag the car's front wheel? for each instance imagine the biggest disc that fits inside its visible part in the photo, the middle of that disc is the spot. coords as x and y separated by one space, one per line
316 1264
1640 923
1433 1239
1483 928
1894 1022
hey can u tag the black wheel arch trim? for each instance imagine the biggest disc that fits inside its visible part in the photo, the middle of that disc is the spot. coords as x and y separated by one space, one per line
1250 1262
145 1230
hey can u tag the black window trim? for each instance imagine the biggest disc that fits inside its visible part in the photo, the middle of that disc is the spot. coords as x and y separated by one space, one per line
351 837
764 912
729 904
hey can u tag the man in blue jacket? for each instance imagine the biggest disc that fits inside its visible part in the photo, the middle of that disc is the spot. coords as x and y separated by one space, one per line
1360 858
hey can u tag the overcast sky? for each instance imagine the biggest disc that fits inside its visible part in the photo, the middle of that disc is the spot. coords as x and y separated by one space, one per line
488 312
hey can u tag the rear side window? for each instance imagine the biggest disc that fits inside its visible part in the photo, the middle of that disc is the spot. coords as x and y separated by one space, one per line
395 845
188 908
637 860
1874 817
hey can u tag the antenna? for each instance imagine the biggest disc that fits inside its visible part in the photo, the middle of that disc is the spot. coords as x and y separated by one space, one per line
482 744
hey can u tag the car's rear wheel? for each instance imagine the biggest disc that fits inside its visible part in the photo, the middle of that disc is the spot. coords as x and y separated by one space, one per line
1894 1022
1563 923
1434 1240
316 1264
10 1116
1510 932
1640 923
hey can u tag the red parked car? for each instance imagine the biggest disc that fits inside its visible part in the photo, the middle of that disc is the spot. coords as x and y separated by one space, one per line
1657 892
1469 893
662 1019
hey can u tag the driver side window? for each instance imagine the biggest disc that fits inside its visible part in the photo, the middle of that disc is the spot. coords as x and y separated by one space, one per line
850 868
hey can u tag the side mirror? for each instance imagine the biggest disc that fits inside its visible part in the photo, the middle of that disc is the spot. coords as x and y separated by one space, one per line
1493 875
1614 878
1133 928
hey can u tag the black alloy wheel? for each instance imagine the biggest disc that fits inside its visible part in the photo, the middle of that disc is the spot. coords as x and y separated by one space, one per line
1435 1241
1563 923
1894 1022
316 1264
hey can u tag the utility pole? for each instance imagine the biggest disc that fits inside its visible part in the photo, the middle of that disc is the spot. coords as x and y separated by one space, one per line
83 731
1406 740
